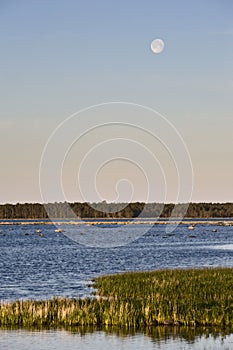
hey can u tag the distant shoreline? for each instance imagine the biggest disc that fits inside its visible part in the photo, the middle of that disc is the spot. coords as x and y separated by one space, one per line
192 222
112 211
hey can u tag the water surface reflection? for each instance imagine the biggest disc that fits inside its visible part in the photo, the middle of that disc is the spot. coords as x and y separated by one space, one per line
90 338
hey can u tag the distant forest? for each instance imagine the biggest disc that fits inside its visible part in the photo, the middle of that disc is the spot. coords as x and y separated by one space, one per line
114 210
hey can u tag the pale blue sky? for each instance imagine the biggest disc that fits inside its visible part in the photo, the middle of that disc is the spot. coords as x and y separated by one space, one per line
59 56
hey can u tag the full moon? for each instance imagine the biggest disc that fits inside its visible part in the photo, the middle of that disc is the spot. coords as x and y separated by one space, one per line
157 45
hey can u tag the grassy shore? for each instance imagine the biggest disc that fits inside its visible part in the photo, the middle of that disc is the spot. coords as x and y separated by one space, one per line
181 297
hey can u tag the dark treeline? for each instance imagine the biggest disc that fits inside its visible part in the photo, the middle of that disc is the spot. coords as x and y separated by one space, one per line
114 210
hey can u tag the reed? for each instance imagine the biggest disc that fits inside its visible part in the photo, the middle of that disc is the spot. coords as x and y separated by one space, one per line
138 299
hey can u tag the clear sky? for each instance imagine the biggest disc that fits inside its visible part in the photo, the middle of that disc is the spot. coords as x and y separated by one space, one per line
57 57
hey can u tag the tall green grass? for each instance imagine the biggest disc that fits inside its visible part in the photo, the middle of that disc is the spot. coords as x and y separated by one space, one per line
188 297
183 297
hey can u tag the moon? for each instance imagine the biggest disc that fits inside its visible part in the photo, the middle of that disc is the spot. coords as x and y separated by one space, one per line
157 45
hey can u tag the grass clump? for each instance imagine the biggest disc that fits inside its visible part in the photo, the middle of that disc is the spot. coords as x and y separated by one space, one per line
185 297
188 297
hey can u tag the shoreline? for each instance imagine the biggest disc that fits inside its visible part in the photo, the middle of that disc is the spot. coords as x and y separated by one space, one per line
122 221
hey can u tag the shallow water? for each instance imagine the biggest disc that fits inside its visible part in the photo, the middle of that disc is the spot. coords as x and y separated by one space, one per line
102 340
38 267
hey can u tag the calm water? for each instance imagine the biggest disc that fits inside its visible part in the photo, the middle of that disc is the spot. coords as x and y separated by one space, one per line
38 267
102 340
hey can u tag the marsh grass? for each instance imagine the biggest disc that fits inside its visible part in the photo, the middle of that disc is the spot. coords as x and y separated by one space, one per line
191 297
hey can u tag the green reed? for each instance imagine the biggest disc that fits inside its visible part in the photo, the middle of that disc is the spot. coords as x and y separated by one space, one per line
138 299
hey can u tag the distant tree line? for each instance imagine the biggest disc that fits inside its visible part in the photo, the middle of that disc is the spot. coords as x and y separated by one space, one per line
114 210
